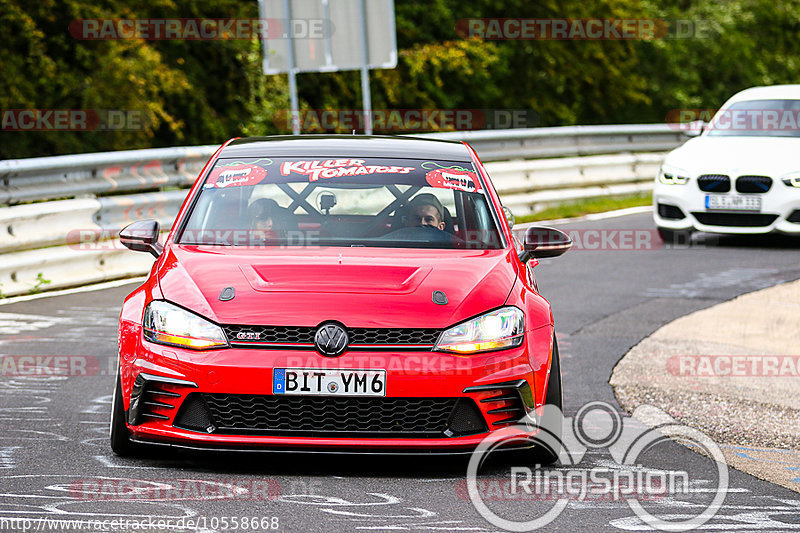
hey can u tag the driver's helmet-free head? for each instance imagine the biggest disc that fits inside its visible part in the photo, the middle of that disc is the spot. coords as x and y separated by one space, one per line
425 210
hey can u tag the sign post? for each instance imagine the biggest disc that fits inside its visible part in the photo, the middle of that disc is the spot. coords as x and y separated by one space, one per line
366 96
295 107
331 36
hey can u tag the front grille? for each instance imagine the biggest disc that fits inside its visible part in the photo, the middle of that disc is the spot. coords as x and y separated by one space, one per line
794 218
325 416
671 212
367 336
743 220
270 334
303 337
714 183
755 184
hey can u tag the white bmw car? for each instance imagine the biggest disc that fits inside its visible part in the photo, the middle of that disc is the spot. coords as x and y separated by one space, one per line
740 175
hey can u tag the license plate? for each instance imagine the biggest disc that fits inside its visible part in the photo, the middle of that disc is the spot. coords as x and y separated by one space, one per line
328 382
733 202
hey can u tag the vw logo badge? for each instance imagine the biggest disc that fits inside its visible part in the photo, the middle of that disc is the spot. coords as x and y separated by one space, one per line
331 339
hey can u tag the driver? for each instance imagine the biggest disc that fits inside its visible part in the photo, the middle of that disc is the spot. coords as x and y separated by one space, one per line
425 210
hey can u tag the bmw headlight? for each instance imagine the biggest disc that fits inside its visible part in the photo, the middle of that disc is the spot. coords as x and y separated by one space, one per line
670 175
165 323
791 180
503 328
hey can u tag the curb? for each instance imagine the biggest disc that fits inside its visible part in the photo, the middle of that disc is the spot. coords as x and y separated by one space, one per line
731 371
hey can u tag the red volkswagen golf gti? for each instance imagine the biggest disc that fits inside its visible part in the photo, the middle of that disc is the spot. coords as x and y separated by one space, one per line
360 294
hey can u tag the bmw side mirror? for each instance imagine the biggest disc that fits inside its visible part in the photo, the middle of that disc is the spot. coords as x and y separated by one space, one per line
142 236
694 128
541 241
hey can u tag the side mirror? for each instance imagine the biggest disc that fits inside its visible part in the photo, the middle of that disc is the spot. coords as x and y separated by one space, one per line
694 128
541 241
142 236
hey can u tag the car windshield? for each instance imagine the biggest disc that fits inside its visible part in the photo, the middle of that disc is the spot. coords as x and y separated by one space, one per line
403 203
758 118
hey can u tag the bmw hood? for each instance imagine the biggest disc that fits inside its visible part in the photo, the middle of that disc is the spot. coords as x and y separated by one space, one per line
736 156
360 287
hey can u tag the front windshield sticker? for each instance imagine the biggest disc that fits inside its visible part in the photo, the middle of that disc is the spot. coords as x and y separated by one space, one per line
457 179
239 175
336 168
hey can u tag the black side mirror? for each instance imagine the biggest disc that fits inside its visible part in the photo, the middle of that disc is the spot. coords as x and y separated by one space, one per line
541 241
142 236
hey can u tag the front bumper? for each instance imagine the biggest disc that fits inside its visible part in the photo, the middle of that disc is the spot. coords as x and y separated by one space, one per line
779 211
159 380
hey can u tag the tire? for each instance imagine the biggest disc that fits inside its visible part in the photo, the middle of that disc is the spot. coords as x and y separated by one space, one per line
544 454
119 435
539 453
672 237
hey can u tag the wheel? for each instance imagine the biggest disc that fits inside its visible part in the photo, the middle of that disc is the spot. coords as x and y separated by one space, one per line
671 236
119 435
546 452
552 419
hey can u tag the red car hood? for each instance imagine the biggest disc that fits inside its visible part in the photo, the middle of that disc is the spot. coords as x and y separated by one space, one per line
360 287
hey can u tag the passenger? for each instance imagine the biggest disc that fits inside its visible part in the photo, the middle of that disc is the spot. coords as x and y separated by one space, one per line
425 210
264 215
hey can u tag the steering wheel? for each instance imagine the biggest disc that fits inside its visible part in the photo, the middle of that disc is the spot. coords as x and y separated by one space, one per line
422 234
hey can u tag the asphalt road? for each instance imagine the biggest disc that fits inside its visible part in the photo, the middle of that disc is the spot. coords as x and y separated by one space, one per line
56 463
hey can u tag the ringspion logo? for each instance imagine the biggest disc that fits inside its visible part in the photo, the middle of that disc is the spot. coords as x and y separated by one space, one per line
596 425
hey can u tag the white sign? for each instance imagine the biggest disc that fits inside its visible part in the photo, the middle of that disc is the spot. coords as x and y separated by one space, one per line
326 35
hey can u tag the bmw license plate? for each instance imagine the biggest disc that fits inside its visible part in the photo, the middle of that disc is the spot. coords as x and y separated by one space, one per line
328 382
733 202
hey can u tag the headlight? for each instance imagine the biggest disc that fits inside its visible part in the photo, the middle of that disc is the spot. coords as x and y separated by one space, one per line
504 328
165 323
672 176
792 180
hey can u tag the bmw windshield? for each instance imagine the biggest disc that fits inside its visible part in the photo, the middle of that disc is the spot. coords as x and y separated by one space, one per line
758 118
402 203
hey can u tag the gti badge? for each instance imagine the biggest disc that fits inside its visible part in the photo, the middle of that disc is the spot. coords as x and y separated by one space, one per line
331 339
248 335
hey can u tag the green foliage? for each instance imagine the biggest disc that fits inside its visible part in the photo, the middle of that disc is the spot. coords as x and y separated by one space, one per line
751 42
588 206
44 67
427 75
41 281
204 92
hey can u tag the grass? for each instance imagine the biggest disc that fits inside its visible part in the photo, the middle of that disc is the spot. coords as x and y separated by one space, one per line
587 207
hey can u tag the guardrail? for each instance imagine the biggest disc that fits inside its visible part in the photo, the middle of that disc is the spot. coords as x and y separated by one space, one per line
44 178
565 141
71 241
